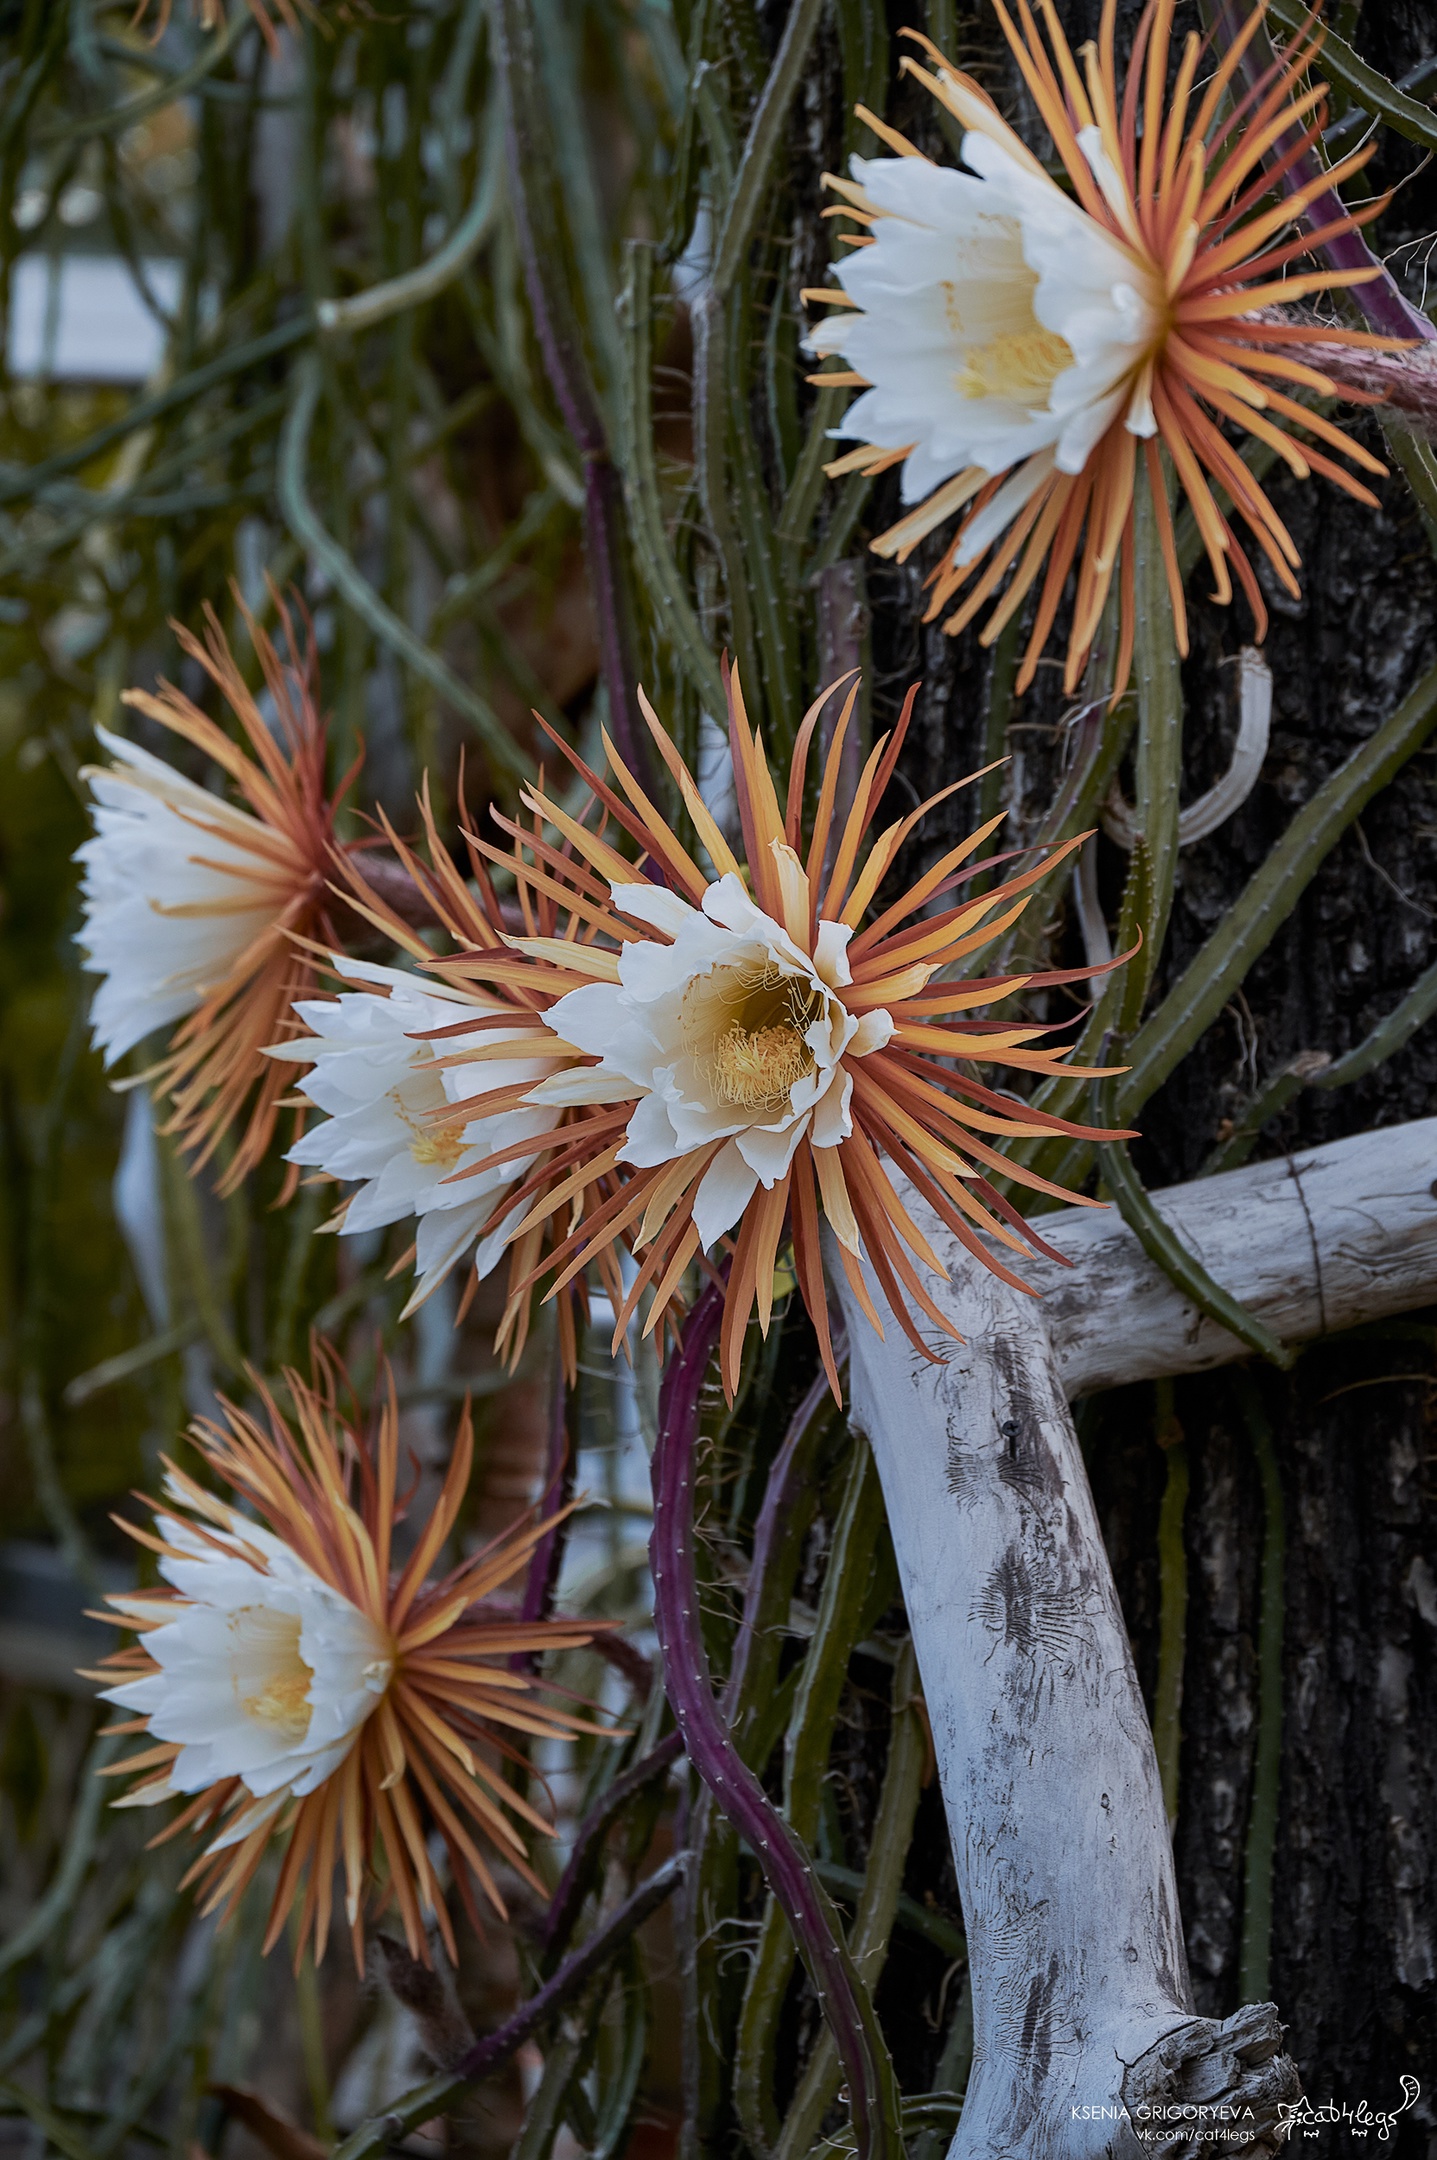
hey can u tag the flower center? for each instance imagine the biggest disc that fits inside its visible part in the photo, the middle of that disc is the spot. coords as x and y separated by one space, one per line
1020 365
270 1679
745 1027
752 1070
429 1144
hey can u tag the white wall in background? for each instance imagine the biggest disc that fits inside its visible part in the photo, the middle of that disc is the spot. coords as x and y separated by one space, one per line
82 318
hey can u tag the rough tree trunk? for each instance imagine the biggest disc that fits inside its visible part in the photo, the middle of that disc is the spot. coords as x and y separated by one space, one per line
1352 1958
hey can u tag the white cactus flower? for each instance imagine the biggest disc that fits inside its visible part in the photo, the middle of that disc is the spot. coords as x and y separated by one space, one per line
379 1086
996 322
266 1672
730 1032
179 887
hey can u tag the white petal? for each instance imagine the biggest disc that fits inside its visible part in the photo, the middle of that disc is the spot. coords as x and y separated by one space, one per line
405 979
490 1250
874 1032
142 865
587 1017
441 1241
147 1795
245 1819
769 1150
832 1121
972 286
651 1138
728 905
581 1084
995 517
266 1672
376 1077
724 1191
1082 434
651 972
654 905
830 954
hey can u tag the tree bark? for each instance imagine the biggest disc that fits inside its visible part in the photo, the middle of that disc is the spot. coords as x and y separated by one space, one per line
1353 1940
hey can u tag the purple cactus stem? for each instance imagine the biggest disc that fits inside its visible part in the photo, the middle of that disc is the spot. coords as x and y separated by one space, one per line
782 1855
565 1904
789 1465
778 1500
1385 306
495 2049
570 378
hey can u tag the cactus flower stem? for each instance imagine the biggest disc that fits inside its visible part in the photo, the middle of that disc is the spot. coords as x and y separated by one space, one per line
1380 299
785 1861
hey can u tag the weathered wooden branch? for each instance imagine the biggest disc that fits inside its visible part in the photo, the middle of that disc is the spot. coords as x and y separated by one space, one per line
1310 1243
1085 2040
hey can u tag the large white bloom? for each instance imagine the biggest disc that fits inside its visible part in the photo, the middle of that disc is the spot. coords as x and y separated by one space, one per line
266 1672
378 1088
731 1033
178 885
995 319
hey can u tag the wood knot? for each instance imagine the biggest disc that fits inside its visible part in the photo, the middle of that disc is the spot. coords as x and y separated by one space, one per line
1213 2090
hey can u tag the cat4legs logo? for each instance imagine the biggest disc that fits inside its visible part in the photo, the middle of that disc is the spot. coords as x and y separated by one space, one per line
1302 2118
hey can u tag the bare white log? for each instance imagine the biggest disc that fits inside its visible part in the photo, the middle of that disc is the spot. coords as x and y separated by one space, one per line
1310 1243
1085 2040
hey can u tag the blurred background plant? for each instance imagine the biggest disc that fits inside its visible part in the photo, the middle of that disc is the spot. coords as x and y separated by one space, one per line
478 322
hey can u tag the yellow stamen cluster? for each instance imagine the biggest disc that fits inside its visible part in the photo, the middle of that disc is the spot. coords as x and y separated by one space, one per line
745 1026
1020 364
430 1143
752 1070
284 1701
